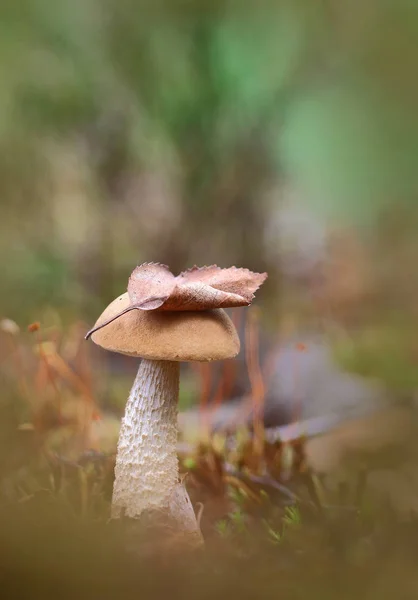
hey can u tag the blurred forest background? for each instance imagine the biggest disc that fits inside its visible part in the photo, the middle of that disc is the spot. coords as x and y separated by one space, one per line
281 136
256 134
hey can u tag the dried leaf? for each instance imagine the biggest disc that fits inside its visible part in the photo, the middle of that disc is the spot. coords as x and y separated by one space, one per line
152 286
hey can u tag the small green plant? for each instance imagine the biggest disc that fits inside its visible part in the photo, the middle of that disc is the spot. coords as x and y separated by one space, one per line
237 495
189 463
223 528
274 535
238 520
292 516
265 497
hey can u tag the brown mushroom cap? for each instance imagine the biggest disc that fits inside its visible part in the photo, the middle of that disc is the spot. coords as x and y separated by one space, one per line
180 336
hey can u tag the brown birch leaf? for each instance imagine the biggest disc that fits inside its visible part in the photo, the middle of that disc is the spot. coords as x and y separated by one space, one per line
152 286
212 287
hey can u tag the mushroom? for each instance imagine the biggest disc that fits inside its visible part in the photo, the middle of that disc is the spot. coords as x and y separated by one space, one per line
166 320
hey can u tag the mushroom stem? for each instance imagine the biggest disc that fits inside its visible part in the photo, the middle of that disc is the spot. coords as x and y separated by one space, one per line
146 471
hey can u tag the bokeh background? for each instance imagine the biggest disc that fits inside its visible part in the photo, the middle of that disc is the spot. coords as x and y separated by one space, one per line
281 136
205 132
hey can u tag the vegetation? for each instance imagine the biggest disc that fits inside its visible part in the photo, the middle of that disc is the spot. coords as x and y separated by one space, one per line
270 525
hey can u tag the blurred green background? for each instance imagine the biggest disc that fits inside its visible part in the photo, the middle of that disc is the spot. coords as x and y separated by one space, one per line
174 131
281 136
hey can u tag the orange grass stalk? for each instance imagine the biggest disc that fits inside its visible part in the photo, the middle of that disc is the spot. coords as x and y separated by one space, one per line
228 375
256 379
44 367
229 370
205 372
83 361
90 411
297 408
11 331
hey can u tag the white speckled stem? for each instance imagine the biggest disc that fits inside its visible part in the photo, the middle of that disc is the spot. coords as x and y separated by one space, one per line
146 472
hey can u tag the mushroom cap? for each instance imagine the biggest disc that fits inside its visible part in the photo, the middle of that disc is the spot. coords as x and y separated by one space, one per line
179 336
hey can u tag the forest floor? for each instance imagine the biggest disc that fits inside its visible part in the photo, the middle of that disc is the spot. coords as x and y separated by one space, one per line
271 527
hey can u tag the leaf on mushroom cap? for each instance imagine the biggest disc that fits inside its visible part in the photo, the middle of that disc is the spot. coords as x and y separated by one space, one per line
152 286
